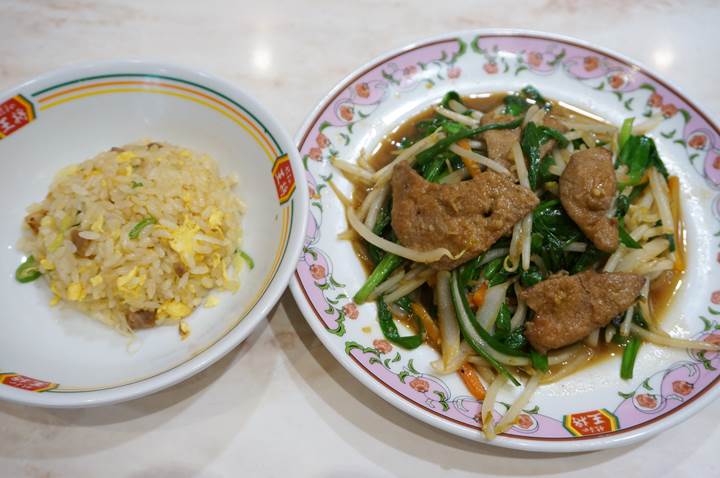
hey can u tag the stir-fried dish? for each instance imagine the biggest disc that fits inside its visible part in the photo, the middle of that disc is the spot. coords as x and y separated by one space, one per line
520 238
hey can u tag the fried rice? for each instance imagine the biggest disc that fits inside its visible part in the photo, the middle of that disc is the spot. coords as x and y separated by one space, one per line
138 236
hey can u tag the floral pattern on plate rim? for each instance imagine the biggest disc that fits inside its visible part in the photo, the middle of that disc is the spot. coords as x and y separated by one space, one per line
427 65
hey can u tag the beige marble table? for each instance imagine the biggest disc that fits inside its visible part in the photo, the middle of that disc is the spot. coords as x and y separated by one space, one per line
279 405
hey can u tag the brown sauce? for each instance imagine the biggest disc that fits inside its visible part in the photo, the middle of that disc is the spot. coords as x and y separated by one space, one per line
383 152
362 254
662 290
603 351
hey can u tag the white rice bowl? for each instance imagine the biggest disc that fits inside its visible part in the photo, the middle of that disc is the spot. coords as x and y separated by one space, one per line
61 356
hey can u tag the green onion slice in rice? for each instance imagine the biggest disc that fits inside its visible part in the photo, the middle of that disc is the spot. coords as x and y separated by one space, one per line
135 231
28 271
246 257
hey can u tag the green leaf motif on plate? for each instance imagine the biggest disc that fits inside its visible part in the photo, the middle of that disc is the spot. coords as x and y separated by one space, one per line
558 58
411 368
352 345
442 400
462 49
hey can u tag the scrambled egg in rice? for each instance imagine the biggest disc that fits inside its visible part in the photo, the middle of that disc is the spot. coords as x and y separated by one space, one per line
137 236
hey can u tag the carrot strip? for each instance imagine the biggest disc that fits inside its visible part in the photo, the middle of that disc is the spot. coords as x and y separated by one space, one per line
472 167
478 297
431 329
464 143
472 381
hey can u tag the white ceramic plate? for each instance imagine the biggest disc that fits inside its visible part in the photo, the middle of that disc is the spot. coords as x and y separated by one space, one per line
592 409
60 358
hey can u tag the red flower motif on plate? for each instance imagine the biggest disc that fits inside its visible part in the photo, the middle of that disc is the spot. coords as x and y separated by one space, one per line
322 140
347 112
524 421
646 401
420 385
669 110
591 63
617 80
362 90
712 339
382 346
315 154
410 70
655 100
535 59
697 141
682 387
454 72
350 310
317 271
